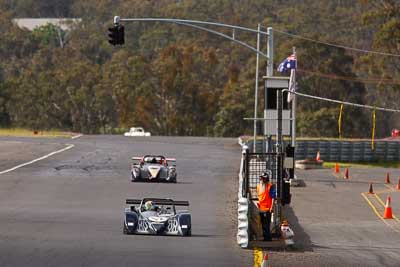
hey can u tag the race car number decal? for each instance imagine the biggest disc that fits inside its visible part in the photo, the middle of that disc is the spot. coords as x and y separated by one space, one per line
157 219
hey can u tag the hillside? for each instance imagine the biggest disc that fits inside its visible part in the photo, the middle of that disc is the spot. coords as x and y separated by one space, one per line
173 80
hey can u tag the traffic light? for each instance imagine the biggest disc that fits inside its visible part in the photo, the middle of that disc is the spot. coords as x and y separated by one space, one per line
113 34
117 35
121 35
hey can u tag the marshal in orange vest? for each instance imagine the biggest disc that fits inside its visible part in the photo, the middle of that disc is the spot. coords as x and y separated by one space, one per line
264 198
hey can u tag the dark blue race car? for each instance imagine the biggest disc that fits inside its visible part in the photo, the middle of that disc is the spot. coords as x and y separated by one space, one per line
157 216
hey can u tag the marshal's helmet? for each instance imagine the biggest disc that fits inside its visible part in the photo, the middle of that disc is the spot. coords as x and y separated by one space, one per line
264 177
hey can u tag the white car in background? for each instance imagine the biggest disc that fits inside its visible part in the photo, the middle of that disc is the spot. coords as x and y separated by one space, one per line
137 131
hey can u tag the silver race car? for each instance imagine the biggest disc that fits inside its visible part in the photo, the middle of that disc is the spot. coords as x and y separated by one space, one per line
157 216
153 169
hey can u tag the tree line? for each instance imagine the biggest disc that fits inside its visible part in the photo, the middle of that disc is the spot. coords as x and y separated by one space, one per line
173 80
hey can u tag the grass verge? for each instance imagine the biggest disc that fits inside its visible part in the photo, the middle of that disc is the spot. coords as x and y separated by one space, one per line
29 133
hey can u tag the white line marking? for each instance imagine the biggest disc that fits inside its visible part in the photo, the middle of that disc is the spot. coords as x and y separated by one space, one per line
33 161
76 136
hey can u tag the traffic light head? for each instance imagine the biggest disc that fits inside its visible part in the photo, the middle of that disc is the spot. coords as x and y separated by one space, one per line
121 35
113 34
117 35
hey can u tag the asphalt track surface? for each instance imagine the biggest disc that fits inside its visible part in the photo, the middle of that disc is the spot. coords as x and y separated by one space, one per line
67 210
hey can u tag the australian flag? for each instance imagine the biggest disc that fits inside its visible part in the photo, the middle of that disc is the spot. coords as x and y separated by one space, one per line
288 64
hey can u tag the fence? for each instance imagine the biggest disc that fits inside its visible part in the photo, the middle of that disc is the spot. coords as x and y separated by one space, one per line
343 151
256 164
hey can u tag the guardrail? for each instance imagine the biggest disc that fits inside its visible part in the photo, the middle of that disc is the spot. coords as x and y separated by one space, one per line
343 151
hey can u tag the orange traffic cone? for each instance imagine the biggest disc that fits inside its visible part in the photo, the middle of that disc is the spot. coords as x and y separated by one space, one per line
337 168
371 190
387 178
398 184
265 262
346 174
318 157
388 210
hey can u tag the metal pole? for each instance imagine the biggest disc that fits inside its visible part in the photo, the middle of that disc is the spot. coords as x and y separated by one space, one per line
195 24
270 52
278 150
270 73
265 112
246 182
279 121
224 36
191 22
256 90
294 105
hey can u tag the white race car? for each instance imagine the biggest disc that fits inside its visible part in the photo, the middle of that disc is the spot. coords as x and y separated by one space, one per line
153 169
137 131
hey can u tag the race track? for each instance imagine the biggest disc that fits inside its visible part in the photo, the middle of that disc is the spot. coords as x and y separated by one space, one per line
67 209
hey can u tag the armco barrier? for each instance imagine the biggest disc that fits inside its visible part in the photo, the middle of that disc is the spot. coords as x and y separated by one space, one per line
343 150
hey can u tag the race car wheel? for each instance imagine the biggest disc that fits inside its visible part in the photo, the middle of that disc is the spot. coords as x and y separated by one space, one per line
188 232
125 230
133 178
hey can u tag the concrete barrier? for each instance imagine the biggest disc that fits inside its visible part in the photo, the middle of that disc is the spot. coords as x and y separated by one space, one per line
243 223
243 205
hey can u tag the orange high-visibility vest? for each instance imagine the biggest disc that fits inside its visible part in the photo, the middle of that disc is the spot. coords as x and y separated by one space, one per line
264 199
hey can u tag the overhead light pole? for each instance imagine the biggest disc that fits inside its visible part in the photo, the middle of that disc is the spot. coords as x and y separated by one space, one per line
256 91
201 25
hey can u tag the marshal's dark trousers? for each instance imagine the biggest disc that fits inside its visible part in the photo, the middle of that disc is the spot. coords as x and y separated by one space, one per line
265 217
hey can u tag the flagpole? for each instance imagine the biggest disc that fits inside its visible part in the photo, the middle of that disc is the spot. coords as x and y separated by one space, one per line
294 103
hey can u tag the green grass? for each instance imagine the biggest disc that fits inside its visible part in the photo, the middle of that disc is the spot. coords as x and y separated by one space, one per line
382 164
29 133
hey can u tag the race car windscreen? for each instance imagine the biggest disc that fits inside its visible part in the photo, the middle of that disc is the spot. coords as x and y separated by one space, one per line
154 159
